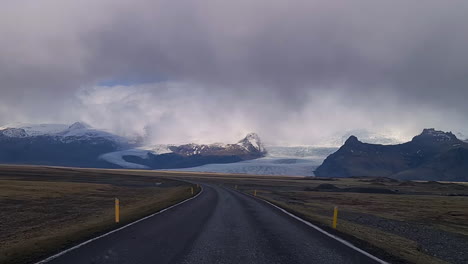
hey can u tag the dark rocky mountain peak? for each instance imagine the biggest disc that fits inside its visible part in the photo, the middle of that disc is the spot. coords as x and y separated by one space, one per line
352 140
431 155
432 135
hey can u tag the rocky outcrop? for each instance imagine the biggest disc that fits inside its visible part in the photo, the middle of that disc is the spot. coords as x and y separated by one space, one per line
432 155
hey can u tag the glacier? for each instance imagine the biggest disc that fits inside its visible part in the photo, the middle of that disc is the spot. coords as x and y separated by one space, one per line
280 160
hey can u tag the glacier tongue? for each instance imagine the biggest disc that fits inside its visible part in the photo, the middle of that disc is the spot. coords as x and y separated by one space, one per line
262 166
280 160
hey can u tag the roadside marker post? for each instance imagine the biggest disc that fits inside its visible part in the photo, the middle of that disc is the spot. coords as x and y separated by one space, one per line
235 187
117 210
191 188
335 217
255 193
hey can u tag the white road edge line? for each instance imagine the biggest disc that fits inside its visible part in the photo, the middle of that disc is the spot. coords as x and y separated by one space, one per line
322 231
116 230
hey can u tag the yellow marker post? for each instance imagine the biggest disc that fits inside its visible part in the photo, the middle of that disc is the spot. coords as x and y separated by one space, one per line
191 188
335 217
117 210
255 193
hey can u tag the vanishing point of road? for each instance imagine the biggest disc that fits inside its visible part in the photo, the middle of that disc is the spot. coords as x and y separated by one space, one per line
220 225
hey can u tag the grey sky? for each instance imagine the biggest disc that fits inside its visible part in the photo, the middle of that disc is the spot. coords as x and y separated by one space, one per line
211 70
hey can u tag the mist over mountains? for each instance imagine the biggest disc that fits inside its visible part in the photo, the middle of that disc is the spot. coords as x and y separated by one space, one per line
432 155
81 145
225 69
57 144
187 155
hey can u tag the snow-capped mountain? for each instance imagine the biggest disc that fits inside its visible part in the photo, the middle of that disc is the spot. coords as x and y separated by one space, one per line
252 142
65 133
79 144
187 155
37 129
57 144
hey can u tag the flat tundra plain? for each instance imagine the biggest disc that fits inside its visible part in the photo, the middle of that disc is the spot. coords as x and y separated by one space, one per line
46 209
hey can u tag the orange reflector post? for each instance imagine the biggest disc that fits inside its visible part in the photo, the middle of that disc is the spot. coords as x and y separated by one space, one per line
335 217
117 210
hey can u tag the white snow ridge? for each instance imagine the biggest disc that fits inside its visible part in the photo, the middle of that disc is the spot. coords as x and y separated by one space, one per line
63 132
254 140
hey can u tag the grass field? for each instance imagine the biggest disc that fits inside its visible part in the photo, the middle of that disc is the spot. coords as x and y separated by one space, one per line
44 210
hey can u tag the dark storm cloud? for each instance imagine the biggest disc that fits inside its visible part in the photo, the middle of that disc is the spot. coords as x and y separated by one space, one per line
281 67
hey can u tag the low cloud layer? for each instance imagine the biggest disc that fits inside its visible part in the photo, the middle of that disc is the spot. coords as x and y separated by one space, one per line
294 71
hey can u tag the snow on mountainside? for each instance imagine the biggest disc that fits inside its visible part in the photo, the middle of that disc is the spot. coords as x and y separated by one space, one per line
82 131
58 144
37 129
437 135
14 132
62 132
187 155
252 140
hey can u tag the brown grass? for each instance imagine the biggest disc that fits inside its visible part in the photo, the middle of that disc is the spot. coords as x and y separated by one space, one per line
78 193
45 210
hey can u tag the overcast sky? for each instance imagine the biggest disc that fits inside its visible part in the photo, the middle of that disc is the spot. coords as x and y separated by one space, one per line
209 70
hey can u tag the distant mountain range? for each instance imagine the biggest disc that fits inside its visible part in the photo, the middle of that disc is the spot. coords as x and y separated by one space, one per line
57 144
187 155
80 145
432 155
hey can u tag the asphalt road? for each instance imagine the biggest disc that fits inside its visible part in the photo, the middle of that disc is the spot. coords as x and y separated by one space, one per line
219 226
